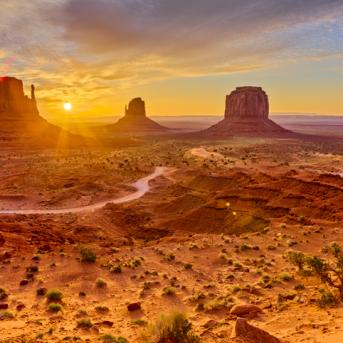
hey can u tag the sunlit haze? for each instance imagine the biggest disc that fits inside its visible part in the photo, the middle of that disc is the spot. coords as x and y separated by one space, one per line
182 57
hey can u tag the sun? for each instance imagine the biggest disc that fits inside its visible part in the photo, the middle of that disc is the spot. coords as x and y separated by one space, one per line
68 106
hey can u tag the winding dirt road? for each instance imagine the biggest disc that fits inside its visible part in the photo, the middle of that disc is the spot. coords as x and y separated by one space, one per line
142 186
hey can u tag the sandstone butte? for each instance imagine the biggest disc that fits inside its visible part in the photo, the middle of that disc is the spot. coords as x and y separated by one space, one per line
246 112
135 120
21 123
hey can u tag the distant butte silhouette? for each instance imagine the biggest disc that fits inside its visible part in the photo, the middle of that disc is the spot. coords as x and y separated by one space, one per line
247 113
135 120
21 123
14 104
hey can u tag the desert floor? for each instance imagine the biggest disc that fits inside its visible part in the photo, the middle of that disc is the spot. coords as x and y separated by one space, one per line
212 232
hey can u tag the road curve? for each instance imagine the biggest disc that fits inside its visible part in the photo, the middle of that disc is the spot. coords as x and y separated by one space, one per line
142 186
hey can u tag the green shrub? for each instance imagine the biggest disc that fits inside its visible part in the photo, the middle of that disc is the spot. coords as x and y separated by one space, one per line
87 255
108 338
170 291
327 299
54 295
174 327
100 283
53 307
6 315
297 258
84 323
3 294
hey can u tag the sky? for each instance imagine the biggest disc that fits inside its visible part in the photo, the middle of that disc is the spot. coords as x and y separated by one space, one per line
181 56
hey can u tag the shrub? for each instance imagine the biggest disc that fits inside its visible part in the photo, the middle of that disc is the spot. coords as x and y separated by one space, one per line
174 327
100 283
53 307
6 315
286 277
87 255
297 258
84 323
54 295
188 266
3 294
170 291
327 299
108 338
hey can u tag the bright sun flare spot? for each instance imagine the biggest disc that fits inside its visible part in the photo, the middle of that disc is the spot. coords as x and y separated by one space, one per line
68 106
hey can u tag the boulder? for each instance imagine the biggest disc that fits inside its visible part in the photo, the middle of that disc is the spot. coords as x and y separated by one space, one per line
246 310
251 333
134 307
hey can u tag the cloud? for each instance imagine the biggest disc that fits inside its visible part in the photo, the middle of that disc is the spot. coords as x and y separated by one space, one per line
94 48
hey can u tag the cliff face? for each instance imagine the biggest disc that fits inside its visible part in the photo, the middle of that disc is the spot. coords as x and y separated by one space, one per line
14 103
136 107
247 103
247 113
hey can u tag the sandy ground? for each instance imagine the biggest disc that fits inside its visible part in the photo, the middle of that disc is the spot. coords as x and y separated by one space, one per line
211 233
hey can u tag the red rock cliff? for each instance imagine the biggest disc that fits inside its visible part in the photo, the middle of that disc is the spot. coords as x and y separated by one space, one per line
13 101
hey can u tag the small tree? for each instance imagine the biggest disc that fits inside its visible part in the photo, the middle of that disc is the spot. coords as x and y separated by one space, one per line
330 271
297 258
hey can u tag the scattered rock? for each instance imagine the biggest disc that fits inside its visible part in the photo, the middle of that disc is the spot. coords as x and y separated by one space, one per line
20 307
244 330
245 310
41 291
134 307
3 306
24 282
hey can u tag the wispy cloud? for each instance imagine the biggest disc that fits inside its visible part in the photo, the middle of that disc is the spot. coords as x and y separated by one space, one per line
94 48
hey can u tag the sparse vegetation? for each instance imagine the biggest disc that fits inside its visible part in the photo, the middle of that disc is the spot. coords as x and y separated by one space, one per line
87 255
84 323
54 295
100 283
53 307
108 338
174 327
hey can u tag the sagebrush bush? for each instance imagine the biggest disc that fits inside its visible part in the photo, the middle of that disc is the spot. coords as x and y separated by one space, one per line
173 327
87 255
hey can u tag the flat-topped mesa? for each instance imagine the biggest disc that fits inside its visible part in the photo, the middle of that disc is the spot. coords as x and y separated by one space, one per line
246 113
13 101
136 107
247 104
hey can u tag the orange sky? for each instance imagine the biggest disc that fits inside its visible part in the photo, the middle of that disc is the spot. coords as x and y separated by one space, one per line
182 57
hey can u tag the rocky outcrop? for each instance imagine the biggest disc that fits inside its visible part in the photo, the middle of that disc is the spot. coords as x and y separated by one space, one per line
20 123
14 103
136 107
251 333
246 112
135 120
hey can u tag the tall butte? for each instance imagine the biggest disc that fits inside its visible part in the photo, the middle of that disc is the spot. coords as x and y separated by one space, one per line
135 120
246 113
14 104
20 122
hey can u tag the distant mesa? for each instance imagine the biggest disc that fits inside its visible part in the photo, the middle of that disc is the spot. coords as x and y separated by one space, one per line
135 120
246 112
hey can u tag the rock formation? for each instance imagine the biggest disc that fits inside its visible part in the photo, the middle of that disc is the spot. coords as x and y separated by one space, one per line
246 112
20 122
14 103
136 107
135 120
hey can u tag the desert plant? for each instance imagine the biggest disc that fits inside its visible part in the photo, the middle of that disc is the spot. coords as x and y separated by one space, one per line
100 283
330 270
84 323
3 294
53 307
174 327
170 291
54 295
297 258
327 299
108 338
6 315
87 255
